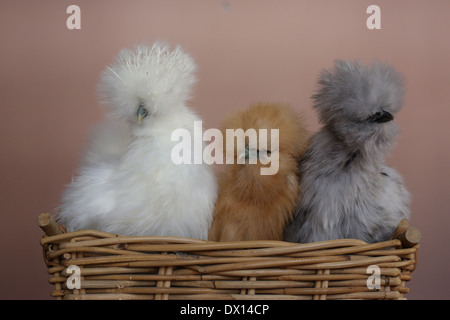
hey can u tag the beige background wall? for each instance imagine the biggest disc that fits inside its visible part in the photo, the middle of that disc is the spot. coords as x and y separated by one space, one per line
247 51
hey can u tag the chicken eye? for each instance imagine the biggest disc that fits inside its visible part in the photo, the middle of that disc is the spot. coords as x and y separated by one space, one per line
247 152
141 113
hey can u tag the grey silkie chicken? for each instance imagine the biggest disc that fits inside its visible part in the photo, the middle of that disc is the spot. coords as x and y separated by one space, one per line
347 191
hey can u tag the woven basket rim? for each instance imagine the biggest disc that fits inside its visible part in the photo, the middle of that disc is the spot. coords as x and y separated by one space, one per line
159 267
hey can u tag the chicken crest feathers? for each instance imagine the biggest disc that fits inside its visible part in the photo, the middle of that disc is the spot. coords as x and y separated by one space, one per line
353 90
154 75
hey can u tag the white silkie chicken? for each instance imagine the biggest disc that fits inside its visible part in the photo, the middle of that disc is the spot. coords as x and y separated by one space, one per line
128 183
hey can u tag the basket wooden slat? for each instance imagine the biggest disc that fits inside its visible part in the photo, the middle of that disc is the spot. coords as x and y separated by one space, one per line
171 268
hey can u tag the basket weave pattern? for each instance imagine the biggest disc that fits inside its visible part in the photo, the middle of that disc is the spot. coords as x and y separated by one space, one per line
165 268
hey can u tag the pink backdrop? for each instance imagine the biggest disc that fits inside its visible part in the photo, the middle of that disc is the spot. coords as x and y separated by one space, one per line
247 51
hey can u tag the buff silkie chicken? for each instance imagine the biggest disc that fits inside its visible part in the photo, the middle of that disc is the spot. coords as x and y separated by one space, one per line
127 183
347 190
258 189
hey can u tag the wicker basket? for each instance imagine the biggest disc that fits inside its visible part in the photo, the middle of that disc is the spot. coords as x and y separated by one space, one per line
165 268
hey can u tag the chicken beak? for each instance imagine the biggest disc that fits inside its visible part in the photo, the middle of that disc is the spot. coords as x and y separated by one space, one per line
142 113
381 117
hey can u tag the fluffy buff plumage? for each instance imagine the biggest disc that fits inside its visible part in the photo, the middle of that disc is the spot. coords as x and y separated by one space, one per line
252 206
127 183
347 189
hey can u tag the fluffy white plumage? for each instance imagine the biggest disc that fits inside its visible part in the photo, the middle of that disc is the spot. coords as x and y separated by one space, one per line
127 183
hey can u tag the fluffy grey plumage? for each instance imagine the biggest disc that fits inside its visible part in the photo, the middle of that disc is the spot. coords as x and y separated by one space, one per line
347 191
